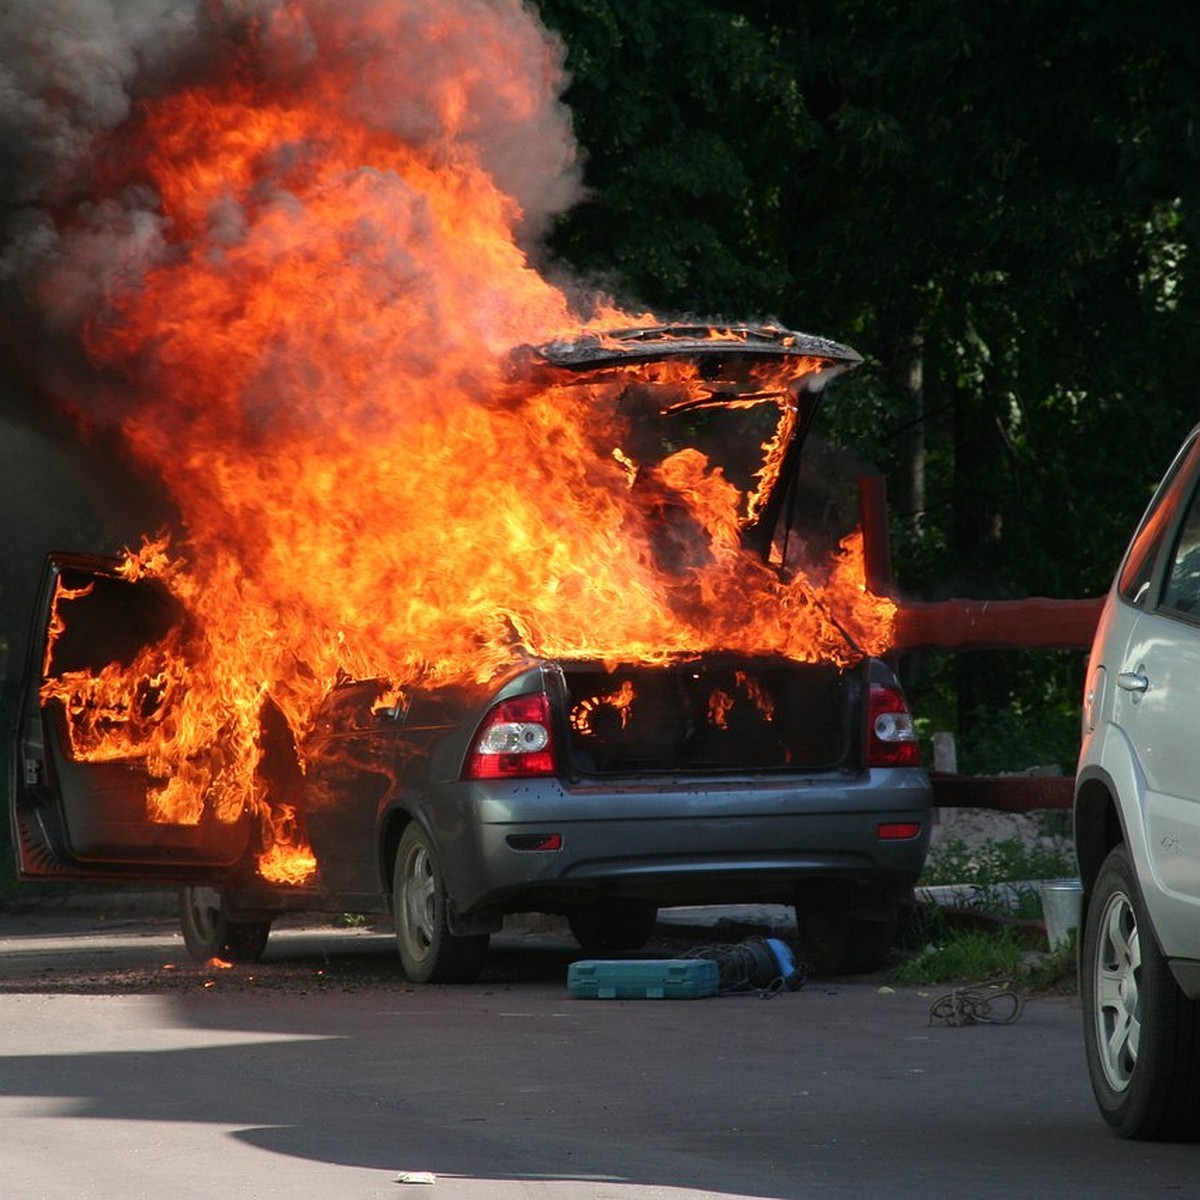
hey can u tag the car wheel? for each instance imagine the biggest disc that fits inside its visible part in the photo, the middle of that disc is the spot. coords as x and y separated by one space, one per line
1141 1033
608 925
429 952
208 931
839 936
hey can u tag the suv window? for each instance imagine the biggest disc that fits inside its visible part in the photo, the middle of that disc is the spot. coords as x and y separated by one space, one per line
1181 592
1135 576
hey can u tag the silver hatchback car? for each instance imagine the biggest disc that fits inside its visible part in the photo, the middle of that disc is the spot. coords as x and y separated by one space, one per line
1137 825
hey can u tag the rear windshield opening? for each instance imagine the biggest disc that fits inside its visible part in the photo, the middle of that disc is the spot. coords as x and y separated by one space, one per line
733 438
691 716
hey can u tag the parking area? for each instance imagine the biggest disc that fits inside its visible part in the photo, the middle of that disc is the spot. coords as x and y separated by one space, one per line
127 1070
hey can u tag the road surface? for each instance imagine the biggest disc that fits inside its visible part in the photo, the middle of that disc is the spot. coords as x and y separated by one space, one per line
126 1071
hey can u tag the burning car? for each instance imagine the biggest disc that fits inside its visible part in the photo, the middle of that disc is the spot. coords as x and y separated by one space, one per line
752 746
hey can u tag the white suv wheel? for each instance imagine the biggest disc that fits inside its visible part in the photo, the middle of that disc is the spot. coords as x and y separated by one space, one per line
1117 1008
1141 1033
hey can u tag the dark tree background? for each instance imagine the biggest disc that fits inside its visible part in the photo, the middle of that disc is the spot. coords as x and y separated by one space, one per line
996 203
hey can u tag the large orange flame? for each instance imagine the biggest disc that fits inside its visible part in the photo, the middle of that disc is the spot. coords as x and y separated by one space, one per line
318 364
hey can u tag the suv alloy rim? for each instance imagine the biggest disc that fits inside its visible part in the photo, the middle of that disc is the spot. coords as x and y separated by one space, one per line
1117 1013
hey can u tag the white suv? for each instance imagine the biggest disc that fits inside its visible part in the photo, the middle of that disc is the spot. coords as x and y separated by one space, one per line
1137 825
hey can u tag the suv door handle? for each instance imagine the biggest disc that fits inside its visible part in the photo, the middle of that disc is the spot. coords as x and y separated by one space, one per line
1132 681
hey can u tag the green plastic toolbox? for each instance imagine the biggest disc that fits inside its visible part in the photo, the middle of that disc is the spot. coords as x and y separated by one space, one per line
645 979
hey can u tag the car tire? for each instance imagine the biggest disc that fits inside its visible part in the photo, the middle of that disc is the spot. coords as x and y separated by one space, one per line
844 933
429 952
605 926
1141 1033
208 931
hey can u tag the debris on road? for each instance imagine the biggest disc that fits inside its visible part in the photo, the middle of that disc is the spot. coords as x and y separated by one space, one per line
998 1002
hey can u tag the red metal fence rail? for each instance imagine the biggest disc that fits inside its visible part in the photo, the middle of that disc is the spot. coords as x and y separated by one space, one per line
1034 623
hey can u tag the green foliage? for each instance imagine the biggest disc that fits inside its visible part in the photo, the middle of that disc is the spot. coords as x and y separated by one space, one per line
951 954
956 954
1006 860
689 120
942 946
997 205
1021 736
1010 711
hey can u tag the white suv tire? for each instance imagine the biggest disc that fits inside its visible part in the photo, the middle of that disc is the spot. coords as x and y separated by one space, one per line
1141 1033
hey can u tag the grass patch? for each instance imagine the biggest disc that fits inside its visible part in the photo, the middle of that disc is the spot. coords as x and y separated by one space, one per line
999 935
971 954
940 949
1008 860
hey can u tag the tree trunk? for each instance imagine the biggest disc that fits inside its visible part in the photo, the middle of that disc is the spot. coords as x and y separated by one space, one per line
911 441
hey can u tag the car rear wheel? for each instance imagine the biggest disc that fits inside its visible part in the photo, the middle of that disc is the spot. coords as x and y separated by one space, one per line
844 931
1141 1033
605 926
209 932
429 952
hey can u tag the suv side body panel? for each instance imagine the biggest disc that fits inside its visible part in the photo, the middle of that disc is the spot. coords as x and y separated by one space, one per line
1138 779
1158 812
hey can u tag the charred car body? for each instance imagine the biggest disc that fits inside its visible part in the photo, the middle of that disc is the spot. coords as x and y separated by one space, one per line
598 790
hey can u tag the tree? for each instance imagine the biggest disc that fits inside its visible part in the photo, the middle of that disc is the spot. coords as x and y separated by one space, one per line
996 203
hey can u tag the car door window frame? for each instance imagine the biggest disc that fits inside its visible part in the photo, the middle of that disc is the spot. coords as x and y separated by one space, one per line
1141 578
1181 575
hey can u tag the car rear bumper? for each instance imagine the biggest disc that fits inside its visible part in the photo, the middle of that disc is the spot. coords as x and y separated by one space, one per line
732 842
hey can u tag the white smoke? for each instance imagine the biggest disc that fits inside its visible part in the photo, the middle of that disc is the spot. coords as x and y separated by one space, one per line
471 73
69 70
452 77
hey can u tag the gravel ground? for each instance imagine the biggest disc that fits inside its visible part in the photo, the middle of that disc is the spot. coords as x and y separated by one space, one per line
979 826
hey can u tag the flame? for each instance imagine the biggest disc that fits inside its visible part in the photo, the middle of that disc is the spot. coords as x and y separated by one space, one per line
288 858
57 623
757 696
620 701
318 364
719 704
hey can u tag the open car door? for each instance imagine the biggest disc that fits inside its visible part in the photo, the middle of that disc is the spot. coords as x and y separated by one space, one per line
81 792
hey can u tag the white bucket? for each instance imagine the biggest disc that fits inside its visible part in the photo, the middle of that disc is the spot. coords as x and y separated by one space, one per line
1062 900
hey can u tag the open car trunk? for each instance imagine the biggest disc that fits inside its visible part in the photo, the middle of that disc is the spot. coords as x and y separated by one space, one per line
713 716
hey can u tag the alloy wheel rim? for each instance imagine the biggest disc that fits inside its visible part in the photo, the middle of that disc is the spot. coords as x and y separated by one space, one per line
1117 1006
419 898
205 904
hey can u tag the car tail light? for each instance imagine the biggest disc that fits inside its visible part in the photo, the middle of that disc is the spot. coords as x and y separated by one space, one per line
898 831
515 740
891 738
539 842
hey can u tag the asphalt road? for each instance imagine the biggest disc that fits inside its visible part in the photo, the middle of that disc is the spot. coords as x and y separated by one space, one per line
126 1071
